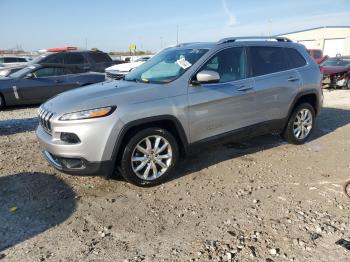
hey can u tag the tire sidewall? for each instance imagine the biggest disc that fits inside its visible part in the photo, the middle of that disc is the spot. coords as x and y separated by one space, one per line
2 102
126 167
289 133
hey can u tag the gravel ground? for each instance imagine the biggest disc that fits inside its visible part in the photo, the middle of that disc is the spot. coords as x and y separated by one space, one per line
261 200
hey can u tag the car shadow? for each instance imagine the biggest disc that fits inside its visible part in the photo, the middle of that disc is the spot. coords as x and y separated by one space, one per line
31 203
330 120
14 126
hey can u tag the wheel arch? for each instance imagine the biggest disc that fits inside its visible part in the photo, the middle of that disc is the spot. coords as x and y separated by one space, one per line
168 122
304 97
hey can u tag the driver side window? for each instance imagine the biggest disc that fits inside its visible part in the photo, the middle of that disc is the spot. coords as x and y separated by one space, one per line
49 71
230 64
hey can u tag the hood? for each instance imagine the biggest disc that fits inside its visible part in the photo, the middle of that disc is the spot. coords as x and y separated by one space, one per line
126 67
108 93
329 70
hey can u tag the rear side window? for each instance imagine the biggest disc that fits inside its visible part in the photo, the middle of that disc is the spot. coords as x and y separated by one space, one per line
74 58
100 57
54 58
295 58
267 60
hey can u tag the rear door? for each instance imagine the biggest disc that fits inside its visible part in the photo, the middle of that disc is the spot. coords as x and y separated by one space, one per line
276 83
77 60
100 61
217 108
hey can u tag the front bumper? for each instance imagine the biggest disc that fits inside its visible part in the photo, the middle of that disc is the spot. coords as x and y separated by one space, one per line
91 155
116 75
79 166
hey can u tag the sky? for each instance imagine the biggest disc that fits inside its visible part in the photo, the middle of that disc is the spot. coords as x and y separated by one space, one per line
113 25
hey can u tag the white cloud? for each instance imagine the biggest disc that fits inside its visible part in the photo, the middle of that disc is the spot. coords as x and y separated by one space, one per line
232 18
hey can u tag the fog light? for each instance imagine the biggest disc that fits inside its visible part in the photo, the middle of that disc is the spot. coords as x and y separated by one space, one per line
72 163
70 138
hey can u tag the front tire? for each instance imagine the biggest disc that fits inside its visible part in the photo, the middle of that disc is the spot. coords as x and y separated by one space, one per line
149 157
300 124
2 102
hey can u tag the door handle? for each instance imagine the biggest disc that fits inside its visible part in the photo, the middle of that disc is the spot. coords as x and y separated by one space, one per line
293 79
244 88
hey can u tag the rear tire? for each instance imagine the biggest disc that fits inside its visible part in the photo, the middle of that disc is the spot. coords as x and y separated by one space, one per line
300 124
149 157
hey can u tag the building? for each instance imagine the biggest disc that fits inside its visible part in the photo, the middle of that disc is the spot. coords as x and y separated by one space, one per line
332 40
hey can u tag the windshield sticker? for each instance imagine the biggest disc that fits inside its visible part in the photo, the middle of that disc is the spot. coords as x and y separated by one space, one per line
182 62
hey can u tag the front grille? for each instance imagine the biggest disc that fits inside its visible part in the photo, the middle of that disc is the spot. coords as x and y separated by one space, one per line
44 119
114 76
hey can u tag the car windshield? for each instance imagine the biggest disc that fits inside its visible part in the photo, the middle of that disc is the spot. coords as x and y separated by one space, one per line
24 71
167 66
336 62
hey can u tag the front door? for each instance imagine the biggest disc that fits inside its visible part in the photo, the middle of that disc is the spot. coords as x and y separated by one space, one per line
228 105
45 83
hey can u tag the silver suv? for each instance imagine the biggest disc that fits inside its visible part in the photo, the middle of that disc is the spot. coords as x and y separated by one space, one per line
183 98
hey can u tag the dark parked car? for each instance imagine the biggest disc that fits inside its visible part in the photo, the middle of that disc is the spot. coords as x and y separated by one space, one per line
35 84
336 72
84 60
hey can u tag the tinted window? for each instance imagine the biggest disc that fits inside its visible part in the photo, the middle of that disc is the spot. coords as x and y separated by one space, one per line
100 57
49 71
295 58
10 59
21 59
267 60
74 58
2 60
230 64
54 58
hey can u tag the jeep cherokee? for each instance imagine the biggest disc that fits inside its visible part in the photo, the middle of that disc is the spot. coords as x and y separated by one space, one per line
184 97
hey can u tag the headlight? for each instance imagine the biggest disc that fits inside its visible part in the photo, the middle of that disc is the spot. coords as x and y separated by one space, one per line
87 114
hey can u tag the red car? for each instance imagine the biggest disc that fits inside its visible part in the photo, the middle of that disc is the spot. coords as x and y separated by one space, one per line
317 55
336 72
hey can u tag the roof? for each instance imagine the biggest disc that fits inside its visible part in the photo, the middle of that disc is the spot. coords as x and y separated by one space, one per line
314 28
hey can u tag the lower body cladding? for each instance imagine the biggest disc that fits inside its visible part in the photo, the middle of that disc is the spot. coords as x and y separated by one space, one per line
91 154
79 166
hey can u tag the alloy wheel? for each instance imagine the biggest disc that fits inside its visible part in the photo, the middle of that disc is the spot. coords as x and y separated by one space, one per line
151 157
302 125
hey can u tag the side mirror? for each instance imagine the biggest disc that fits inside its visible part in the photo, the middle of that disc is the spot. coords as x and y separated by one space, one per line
207 77
29 76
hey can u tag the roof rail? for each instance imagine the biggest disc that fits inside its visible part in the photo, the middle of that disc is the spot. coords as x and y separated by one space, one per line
266 38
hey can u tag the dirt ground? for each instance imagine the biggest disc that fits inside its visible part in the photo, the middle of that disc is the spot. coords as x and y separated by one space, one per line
261 200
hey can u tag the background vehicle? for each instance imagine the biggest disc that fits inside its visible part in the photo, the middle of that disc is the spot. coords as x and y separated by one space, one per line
84 60
8 61
119 71
317 55
336 72
35 84
183 98
9 70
